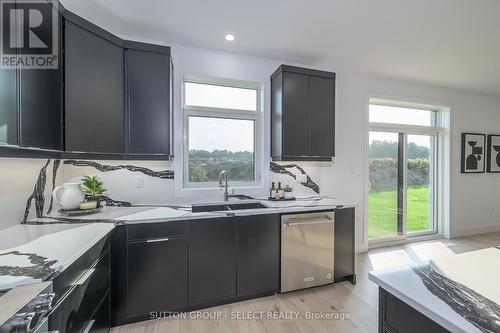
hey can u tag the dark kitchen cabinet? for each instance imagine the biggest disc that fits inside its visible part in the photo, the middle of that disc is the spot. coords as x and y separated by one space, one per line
302 114
149 100
149 270
8 106
102 317
345 245
94 117
156 275
31 98
41 102
258 254
108 99
212 260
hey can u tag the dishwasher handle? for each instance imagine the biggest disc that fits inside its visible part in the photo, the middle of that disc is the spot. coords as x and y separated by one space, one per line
293 224
307 219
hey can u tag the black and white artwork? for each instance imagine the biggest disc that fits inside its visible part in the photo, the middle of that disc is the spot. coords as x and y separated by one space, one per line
473 152
493 162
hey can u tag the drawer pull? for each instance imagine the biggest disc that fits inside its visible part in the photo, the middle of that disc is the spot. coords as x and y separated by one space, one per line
157 240
84 277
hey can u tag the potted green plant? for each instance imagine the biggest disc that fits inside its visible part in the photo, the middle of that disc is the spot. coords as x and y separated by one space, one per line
93 187
287 190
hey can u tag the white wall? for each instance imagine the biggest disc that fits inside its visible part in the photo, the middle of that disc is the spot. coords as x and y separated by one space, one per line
473 197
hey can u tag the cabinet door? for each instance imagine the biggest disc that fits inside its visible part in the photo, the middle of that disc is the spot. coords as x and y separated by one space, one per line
296 121
156 276
41 106
148 77
94 92
344 243
212 260
258 262
322 108
8 106
8 89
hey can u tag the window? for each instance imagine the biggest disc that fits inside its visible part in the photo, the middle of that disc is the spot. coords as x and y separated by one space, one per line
222 121
402 170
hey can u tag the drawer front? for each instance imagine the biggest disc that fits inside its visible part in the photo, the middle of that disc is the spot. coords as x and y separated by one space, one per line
156 230
63 282
75 310
101 318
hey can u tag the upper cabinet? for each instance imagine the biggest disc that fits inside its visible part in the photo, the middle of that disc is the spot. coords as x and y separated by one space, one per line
31 93
302 114
107 98
8 106
94 92
149 99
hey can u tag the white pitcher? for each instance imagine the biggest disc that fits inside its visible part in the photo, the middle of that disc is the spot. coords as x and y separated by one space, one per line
69 195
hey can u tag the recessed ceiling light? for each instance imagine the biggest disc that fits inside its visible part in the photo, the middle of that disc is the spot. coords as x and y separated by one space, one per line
229 37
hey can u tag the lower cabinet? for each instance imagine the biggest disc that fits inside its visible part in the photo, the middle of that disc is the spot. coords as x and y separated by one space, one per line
185 265
101 317
258 254
156 275
344 245
212 260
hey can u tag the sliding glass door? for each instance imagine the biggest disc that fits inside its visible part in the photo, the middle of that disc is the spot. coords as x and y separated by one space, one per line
421 179
384 200
402 176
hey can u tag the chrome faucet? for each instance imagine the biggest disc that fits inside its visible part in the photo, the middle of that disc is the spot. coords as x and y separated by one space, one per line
223 183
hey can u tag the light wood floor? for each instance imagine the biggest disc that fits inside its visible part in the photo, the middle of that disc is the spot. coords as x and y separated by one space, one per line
359 302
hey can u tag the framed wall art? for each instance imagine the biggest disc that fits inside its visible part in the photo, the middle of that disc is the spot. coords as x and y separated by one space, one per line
493 154
473 153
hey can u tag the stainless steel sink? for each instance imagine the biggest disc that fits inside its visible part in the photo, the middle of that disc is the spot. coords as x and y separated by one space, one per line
201 208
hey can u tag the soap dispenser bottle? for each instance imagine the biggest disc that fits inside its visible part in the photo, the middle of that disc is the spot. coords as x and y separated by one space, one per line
272 191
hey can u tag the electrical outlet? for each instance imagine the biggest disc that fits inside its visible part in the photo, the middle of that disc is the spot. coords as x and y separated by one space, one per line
139 181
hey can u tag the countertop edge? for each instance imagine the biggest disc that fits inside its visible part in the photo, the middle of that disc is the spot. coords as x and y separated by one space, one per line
416 305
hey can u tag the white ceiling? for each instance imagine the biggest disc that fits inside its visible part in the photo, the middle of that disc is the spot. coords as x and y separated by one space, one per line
454 43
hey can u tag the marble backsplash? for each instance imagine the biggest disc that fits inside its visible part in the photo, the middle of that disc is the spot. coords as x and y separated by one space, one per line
27 184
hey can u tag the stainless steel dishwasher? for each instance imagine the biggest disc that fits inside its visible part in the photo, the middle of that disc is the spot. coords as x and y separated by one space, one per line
307 244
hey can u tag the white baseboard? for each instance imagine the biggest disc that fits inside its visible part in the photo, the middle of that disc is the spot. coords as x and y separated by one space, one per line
475 231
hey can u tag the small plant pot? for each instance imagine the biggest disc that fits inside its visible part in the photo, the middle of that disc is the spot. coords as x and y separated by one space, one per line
88 205
288 195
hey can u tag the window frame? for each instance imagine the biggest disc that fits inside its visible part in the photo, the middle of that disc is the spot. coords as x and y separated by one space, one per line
223 113
405 130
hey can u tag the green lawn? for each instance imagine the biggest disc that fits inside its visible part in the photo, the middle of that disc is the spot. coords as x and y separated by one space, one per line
382 211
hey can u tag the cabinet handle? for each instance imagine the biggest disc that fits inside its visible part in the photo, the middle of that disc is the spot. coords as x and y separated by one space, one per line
157 240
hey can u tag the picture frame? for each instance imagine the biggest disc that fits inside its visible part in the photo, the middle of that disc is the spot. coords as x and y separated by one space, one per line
473 153
493 154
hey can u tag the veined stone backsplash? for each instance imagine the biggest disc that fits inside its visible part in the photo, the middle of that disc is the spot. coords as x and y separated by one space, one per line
27 184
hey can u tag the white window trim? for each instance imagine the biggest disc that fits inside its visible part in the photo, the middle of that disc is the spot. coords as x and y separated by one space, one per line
437 131
201 111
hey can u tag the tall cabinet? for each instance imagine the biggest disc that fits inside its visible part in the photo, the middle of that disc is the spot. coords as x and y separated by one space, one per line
31 109
302 114
94 92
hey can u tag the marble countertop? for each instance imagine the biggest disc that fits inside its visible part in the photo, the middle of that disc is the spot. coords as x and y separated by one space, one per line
34 253
182 211
441 299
